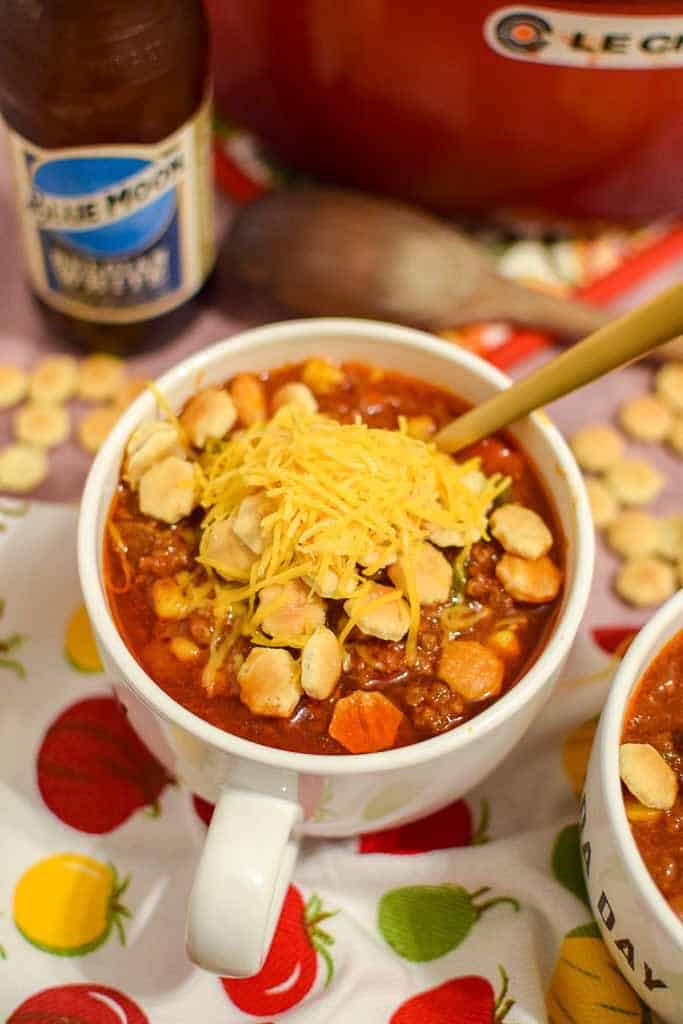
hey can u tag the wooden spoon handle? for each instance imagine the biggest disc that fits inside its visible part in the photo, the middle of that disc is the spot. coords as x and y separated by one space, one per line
500 298
614 345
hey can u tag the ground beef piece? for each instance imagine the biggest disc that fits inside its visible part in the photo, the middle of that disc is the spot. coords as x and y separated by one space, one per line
314 715
374 661
200 626
171 552
487 591
483 558
432 706
429 639
138 539
482 584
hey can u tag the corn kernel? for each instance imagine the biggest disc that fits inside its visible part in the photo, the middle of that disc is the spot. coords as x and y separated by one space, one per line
184 649
505 642
169 600
420 427
322 377
638 813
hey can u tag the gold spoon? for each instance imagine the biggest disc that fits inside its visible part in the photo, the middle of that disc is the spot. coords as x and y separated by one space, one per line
621 341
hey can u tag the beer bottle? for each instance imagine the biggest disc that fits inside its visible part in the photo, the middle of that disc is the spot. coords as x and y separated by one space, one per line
108 114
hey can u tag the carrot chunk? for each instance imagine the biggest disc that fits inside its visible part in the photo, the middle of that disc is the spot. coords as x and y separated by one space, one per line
364 722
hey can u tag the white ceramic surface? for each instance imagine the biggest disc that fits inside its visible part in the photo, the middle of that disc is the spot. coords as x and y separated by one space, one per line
641 931
236 900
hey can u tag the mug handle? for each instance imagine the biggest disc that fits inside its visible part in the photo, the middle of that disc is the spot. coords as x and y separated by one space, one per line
241 882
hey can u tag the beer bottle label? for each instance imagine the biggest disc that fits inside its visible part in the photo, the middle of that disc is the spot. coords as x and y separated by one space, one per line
117 234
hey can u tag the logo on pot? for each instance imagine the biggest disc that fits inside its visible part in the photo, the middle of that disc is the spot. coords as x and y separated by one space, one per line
574 39
523 32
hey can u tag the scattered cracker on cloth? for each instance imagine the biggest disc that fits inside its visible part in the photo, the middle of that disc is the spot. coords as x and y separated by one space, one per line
22 468
54 379
618 485
42 420
13 385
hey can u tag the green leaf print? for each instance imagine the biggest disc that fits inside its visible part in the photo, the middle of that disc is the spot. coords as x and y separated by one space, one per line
424 922
566 862
504 1002
8 645
11 512
585 931
321 940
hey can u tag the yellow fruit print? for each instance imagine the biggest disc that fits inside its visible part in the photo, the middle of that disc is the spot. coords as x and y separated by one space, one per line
587 986
67 904
79 643
576 752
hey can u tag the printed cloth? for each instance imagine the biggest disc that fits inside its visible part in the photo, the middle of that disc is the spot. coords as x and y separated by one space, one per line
476 914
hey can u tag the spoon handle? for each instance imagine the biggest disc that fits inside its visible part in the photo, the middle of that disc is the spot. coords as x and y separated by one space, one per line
614 345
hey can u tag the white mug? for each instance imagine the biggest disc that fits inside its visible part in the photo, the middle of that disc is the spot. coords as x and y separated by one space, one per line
266 799
639 927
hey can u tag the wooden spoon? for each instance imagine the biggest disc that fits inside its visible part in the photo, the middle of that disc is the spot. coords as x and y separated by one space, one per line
325 251
612 346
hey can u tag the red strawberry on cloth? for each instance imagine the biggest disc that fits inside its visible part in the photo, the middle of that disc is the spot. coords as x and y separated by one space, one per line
449 827
614 639
94 771
291 966
203 809
231 178
78 1004
468 1000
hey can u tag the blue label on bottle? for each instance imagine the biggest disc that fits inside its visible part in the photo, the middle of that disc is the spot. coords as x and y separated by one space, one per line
112 230
114 235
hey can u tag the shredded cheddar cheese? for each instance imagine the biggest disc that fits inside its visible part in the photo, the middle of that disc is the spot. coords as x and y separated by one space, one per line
342 499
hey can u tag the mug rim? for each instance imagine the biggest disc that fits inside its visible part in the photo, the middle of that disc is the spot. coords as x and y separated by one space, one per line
642 651
538 675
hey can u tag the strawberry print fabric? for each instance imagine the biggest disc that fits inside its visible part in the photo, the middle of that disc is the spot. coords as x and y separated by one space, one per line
474 915
477 914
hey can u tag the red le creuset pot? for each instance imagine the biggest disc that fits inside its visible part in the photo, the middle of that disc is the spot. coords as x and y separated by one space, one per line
570 109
